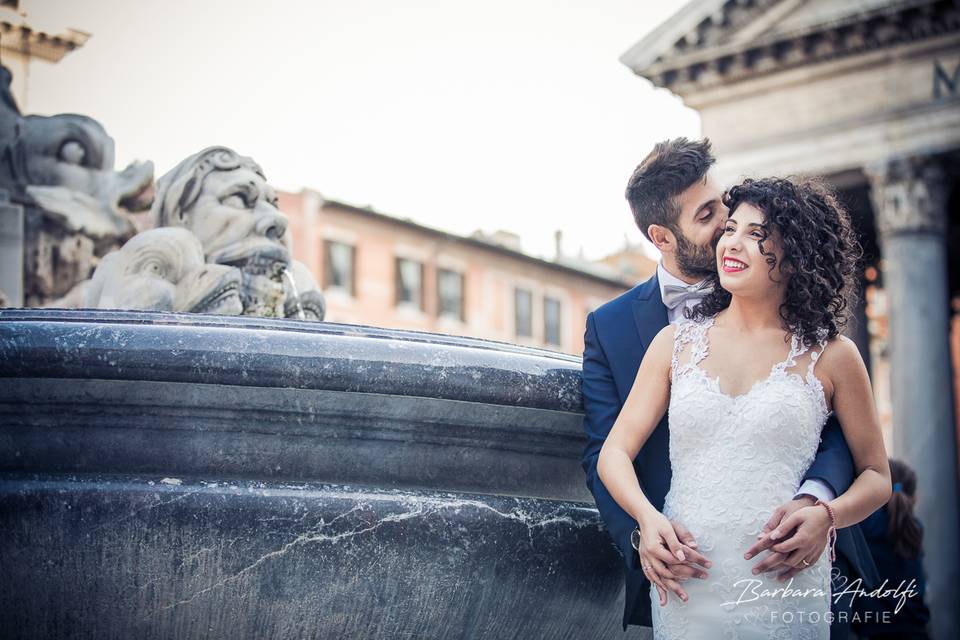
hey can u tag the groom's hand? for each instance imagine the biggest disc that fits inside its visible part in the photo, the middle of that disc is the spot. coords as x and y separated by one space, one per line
686 571
665 558
786 554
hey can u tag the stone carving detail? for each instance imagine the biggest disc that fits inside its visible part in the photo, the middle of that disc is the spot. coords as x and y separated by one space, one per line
218 246
60 170
218 242
909 195
164 270
65 163
224 199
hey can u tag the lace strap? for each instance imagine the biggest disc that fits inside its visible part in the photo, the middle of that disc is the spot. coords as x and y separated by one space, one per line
797 349
681 336
689 331
701 346
822 343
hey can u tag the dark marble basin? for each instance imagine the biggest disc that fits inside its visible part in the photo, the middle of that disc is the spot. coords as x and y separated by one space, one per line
180 476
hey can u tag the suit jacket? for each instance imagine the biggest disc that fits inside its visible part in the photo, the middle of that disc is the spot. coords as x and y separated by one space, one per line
615 340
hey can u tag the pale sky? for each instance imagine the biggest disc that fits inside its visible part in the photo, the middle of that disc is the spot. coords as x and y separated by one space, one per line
499 114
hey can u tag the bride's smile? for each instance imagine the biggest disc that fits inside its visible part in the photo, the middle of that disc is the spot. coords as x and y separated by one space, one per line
732 265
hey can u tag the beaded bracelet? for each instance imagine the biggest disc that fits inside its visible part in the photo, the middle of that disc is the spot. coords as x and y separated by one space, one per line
832 531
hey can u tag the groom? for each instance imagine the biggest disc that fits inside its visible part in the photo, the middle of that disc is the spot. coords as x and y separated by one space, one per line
677 205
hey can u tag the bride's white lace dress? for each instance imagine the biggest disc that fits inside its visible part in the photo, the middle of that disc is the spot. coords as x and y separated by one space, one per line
734 461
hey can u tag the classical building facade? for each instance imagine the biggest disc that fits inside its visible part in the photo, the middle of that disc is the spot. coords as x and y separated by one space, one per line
20 44
380 270
866 94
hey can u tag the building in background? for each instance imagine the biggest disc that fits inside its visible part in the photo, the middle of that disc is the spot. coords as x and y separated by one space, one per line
20 44
866 94
631 261
379 270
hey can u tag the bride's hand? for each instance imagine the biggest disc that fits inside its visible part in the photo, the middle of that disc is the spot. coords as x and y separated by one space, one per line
664 559
800 550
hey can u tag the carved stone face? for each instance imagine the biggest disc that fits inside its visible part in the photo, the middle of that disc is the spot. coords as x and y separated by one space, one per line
164 270
236 219
224 199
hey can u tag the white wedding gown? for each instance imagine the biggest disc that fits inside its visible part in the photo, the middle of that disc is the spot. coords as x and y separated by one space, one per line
734 461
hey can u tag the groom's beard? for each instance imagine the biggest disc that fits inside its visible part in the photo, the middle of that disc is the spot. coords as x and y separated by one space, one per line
695 261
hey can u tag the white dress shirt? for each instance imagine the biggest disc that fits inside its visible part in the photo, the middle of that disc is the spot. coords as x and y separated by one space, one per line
816 489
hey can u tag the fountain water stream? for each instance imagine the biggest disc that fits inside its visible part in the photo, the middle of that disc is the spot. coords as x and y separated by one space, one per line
296 294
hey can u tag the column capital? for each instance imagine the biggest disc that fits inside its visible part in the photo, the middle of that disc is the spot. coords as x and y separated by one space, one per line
909 194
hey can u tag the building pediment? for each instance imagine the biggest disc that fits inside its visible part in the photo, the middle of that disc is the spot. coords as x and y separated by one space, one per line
712 42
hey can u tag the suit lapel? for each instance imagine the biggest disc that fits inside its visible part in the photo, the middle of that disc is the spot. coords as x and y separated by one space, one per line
649 312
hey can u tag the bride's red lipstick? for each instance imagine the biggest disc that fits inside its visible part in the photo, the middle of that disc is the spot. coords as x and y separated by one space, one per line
736 266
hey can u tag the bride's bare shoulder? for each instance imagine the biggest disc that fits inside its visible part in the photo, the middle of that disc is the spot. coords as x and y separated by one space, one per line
665 337
841 358
662 345
840 348
660 348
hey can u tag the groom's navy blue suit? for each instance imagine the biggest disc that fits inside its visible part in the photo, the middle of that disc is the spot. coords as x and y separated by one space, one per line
616 338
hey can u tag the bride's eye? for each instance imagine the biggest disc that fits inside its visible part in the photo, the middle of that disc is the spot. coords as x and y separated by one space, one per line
729 229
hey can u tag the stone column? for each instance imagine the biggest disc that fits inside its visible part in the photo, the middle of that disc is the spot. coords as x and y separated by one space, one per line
910 202
11 252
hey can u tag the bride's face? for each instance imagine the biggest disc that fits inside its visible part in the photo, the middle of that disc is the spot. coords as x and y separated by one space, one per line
741 266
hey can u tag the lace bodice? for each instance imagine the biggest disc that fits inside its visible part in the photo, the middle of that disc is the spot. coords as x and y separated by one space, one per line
734 460
761 442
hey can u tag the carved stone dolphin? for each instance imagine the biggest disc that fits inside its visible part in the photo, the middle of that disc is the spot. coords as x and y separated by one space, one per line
164 270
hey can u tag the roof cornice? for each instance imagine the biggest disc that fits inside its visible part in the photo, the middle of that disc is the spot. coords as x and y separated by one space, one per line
22 39
690 67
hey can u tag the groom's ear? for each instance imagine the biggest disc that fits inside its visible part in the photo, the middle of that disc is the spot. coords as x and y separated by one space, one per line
661 237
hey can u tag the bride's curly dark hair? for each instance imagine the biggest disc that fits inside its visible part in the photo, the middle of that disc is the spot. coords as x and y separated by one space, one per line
821 255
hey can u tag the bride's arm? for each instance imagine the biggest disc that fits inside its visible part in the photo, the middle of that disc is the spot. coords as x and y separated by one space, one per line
845 381
641 412
855 409
660 549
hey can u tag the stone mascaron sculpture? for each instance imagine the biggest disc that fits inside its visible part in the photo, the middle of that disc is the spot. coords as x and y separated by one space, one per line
224 199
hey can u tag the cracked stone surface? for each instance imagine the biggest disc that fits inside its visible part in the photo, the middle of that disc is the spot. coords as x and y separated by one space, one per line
136 557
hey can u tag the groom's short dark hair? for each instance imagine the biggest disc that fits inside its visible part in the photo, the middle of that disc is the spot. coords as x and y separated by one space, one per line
664 174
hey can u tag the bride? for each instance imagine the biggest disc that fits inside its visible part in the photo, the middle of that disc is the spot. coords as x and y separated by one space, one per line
749 378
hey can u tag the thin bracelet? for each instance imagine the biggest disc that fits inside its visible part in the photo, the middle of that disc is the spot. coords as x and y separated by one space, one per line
832 531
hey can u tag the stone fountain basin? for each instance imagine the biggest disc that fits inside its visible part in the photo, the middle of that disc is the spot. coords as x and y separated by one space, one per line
178 476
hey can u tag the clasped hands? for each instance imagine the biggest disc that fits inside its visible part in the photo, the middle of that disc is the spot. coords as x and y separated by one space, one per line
796 534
